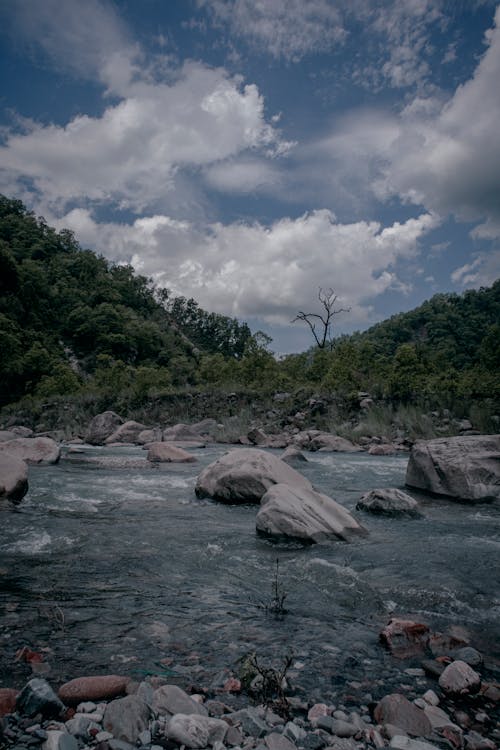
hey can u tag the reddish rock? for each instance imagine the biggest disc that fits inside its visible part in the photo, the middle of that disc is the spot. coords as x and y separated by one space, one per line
397 710
232 685
459 678
491 691
7 701
405 638
441 644
167 453
319 709
98 688
28 656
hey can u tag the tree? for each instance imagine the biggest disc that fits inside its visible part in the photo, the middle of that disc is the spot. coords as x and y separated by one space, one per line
323 336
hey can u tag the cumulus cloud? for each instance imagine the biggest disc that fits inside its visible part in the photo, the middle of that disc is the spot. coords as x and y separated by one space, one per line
261 271
131 153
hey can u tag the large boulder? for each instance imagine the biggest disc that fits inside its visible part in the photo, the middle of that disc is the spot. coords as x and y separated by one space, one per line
13 478
180 432
325 441
389 502
244 475
302 513
128 432
7 435
101 427
39 450
465 467
168 453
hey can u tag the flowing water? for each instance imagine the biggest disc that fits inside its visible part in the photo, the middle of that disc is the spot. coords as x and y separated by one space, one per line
124 570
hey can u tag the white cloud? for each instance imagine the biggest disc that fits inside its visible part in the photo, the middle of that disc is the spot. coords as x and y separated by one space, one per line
482 271
267 272
242 175
131 154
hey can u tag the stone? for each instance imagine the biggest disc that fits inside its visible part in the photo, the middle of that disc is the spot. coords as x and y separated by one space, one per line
459 678
405 638
244 475
101 427
101 687
465 467
37 697
38 450
153 435
167 453
292 455
397 710
80 725
431 698
302 513
476 741
382 449
59 740
171 699
7 435
180 432
127 432
250 721
469 655
389 502
8 698
319 709
257 436
343 728
399 742
207 427
195 731
294 733
275 741
332 443
438 718
21 431
126 718
13 478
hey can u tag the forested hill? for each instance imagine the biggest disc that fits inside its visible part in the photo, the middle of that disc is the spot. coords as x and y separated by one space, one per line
69 317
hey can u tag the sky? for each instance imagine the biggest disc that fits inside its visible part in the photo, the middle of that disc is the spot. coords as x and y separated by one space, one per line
249 153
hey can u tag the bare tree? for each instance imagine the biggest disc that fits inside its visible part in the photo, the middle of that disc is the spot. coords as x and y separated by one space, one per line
323 336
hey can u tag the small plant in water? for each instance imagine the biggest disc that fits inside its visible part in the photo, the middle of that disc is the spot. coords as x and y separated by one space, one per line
276 603
267 683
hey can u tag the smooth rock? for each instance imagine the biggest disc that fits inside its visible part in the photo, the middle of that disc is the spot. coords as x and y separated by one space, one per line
180 432
397 710
37 697
100 687
7 435
275 741
438 718
101 427
459 678
382 449
153 435
167 453
58 740
465 467
127 432
38 450
244 475
399 742
292 455
126 718
170 700
469 655
319 709
80 724
195 731
389 502
302 513
431 698
326 442
13 478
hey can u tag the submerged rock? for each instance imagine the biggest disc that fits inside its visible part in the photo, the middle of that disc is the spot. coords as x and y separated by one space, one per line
389 502
465 467
39 450
13 478
244 476
303 513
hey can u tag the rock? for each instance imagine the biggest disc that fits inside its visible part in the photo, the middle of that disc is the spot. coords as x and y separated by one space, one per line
196 731
431 698
388 502
319 709
180 432
80 725
99 688
39 450
257 437
59 740
167 453
13 478
153 435
459 678
382 449
342 728
244 475
37 697
275 741
292 455
128 432
476 741
397 710
438 718
302 513
399 742
327 442
21 431
170 699
469 655
207 427
101 427
465 467
7 435
126 718
8 698
250 721
404 638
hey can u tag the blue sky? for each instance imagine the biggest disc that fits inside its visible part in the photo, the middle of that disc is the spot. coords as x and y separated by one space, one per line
248 152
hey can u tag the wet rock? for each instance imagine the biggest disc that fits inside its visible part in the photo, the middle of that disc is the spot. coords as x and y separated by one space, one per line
244 476
302 513
397 710
251 722
38 450
8 698
292 455
465 467
126 718
459 678
170 700
405 638
13 478
102 687
167 453
469 655
101 427
432 667
196 731
37 697
275 741
389 502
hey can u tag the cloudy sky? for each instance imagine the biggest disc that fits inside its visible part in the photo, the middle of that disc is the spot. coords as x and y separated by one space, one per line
248 152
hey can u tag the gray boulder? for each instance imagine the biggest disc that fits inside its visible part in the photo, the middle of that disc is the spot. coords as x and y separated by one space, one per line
244 475
196 731
292 455
389 502
171 699
13 478
459 677
325 441
126 718
128 432
39 450
465 467
7 435
302 513
101 427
